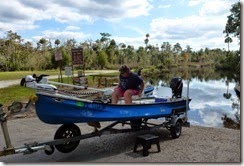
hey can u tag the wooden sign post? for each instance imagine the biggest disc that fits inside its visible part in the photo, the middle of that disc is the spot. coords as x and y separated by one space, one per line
77 57
58 57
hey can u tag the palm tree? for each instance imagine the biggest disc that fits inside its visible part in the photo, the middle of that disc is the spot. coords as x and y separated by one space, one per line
57 42
43 43
146 40
228 40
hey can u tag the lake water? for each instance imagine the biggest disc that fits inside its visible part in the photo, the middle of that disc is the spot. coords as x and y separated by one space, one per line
208 105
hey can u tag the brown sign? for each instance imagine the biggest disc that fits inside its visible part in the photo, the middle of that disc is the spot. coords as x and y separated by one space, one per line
77 56
58 55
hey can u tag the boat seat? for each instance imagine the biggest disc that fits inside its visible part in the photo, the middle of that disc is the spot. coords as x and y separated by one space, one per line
134 97
146 141
138 100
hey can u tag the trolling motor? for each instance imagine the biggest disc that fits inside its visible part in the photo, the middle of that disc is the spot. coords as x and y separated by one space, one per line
39 78
30 78
32 81
176 85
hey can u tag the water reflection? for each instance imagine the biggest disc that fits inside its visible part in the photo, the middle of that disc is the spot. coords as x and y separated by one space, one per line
208 105
227 95
214 103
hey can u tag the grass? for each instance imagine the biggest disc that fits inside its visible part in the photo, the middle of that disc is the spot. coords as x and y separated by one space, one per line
15 93
18 93
20 74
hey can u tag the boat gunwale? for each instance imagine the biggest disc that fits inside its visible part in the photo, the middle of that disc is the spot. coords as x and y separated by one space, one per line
55 95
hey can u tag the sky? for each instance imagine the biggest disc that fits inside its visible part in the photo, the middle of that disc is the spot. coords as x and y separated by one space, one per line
197 23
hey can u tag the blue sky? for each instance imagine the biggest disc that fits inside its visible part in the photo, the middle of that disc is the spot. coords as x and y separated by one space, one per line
197 23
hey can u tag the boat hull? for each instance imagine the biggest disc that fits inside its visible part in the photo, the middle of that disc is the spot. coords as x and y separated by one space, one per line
58 109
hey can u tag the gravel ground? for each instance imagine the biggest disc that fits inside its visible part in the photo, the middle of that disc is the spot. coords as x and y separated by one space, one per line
195 145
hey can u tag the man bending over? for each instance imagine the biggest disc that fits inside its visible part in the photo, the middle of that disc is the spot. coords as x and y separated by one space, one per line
129 84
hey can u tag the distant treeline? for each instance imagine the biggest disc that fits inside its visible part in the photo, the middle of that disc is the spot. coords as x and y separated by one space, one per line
105 53
16 54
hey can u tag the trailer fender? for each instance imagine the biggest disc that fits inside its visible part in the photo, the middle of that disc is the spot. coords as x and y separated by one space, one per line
175 126
174 120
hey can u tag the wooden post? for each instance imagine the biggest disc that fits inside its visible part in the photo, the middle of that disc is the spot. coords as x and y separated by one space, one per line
60 70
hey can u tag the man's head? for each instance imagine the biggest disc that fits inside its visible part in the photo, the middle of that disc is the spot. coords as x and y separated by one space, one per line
124 69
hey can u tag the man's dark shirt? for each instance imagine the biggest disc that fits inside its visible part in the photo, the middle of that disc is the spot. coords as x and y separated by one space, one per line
133 81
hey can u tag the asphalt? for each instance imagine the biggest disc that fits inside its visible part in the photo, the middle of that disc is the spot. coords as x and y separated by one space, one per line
7 83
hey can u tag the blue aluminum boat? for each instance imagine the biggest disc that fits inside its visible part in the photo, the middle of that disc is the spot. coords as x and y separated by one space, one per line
61 109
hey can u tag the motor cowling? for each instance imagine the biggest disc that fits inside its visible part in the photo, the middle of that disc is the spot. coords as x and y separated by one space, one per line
176 85
29 78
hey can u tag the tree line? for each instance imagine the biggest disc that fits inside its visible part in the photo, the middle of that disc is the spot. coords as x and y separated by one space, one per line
105 53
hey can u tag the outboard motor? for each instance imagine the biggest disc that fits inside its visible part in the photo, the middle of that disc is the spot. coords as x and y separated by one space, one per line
176 85
139 71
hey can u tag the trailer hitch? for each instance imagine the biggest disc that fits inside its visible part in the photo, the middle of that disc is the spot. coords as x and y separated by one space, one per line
15 108
3 119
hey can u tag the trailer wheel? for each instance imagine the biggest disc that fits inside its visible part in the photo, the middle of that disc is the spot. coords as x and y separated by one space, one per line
175 131
136 124
67 131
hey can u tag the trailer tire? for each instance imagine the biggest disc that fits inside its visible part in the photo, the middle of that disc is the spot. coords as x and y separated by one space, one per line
67 131
175 131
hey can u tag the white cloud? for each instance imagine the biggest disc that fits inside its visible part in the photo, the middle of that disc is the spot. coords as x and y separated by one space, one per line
164 6
127 9
16 27
72 28
135 41
194 2
62 35
28 12
109 9
215 7
186 27
65 14
16 16
136 7
199 31
202 29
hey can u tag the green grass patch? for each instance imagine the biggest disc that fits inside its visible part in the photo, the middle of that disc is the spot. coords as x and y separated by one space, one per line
66 80
15 93
20 74
18 93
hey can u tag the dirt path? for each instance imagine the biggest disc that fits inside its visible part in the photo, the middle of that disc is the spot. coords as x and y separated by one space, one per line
196 144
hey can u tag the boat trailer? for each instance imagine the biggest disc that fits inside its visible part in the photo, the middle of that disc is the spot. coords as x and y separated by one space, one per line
68 136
